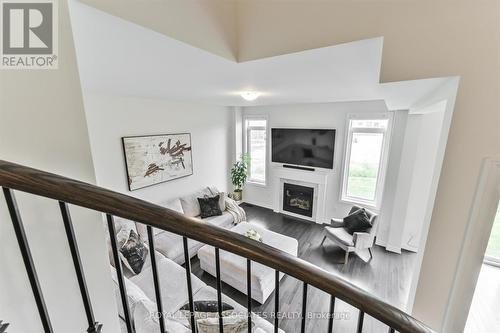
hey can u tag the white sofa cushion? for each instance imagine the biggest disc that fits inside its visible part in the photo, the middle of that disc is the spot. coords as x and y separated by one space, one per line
233 267
174 205
171 245
146 320
134 293
190 204
172 282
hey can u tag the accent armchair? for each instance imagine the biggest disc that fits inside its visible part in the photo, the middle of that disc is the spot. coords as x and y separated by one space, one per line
357 242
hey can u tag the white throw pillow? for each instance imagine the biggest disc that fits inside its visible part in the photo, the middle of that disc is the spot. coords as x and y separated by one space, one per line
174 204
190 204
222 197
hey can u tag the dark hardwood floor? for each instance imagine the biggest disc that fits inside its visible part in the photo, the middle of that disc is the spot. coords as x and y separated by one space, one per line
388 276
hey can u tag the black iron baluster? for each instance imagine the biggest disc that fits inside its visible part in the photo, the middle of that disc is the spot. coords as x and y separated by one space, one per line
27 258
189 286
332 314
360 321
276 300
3 326
94 327
119 274
219 290
391 330
156 281
304 308
249 294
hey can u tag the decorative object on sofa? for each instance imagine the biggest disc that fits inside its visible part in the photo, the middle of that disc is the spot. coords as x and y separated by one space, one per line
209 206
236 323
207 309
252 234
158 158
239 173
134 252
236 211
357 242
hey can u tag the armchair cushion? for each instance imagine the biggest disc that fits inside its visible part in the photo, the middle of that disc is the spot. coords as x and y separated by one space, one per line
357 221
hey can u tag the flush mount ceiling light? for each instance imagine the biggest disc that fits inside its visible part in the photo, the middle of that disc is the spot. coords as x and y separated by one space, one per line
250 95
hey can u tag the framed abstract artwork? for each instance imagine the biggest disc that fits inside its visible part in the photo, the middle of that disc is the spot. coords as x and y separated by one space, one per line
156 159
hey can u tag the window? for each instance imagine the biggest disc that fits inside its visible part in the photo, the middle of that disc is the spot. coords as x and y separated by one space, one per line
364 168
256 133
492 255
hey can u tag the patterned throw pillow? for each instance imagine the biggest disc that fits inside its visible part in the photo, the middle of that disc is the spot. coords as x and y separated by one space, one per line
209 206
207 309
232 324
134 252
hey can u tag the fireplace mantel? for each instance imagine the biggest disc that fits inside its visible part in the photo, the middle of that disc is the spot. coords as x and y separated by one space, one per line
315 179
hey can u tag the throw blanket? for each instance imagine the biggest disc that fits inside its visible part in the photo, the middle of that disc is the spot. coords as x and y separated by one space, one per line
236 211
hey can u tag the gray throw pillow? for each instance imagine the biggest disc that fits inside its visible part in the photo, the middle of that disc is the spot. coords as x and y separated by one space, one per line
209 206
206 309
357 221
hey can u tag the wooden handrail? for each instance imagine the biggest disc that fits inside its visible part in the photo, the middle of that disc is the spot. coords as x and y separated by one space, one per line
22 178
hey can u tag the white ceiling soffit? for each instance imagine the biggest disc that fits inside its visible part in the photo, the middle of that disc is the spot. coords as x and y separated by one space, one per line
116 56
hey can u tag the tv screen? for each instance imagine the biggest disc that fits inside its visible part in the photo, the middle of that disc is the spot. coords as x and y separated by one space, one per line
309 147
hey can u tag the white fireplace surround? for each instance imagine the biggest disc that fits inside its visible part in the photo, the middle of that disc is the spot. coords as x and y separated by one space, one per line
315 179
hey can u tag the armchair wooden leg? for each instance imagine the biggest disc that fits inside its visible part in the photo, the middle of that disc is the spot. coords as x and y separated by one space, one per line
346 257
371 254
323 241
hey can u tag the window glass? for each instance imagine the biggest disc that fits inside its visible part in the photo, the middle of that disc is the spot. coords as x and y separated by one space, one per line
256 131
364 162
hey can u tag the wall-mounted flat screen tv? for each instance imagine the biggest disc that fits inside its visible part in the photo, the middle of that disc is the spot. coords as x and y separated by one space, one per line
308 147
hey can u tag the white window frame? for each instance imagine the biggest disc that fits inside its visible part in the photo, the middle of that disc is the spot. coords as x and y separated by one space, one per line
381 175
246 146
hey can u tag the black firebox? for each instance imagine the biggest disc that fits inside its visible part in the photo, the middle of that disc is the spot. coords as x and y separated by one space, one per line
298 199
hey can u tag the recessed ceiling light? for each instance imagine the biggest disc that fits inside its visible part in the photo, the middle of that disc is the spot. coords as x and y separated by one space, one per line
250 95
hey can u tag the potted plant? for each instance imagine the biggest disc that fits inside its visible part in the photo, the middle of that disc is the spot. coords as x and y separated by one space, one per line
239 176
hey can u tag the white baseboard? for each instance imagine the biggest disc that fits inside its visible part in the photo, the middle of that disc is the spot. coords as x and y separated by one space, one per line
392 248
410 248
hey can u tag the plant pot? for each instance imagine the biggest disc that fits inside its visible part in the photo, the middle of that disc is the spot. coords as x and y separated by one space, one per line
237 195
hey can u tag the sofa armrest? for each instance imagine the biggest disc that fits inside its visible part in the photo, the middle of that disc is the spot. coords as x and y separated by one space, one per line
335 223
363 240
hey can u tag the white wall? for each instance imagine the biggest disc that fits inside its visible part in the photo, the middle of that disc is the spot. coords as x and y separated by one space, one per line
423 170
42 124
112 117
400 122
327 115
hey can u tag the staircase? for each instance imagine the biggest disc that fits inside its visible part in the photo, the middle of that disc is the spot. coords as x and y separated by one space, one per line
14 177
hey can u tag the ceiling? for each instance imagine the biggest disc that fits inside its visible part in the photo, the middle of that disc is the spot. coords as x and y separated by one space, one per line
116 56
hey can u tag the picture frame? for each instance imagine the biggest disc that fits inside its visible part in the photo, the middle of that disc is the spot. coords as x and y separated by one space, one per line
155 159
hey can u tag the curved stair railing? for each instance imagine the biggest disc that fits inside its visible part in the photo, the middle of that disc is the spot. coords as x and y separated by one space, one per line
69 191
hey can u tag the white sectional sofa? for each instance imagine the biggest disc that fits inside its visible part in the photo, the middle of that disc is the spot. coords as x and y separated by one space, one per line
170 244
172 276
142 301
